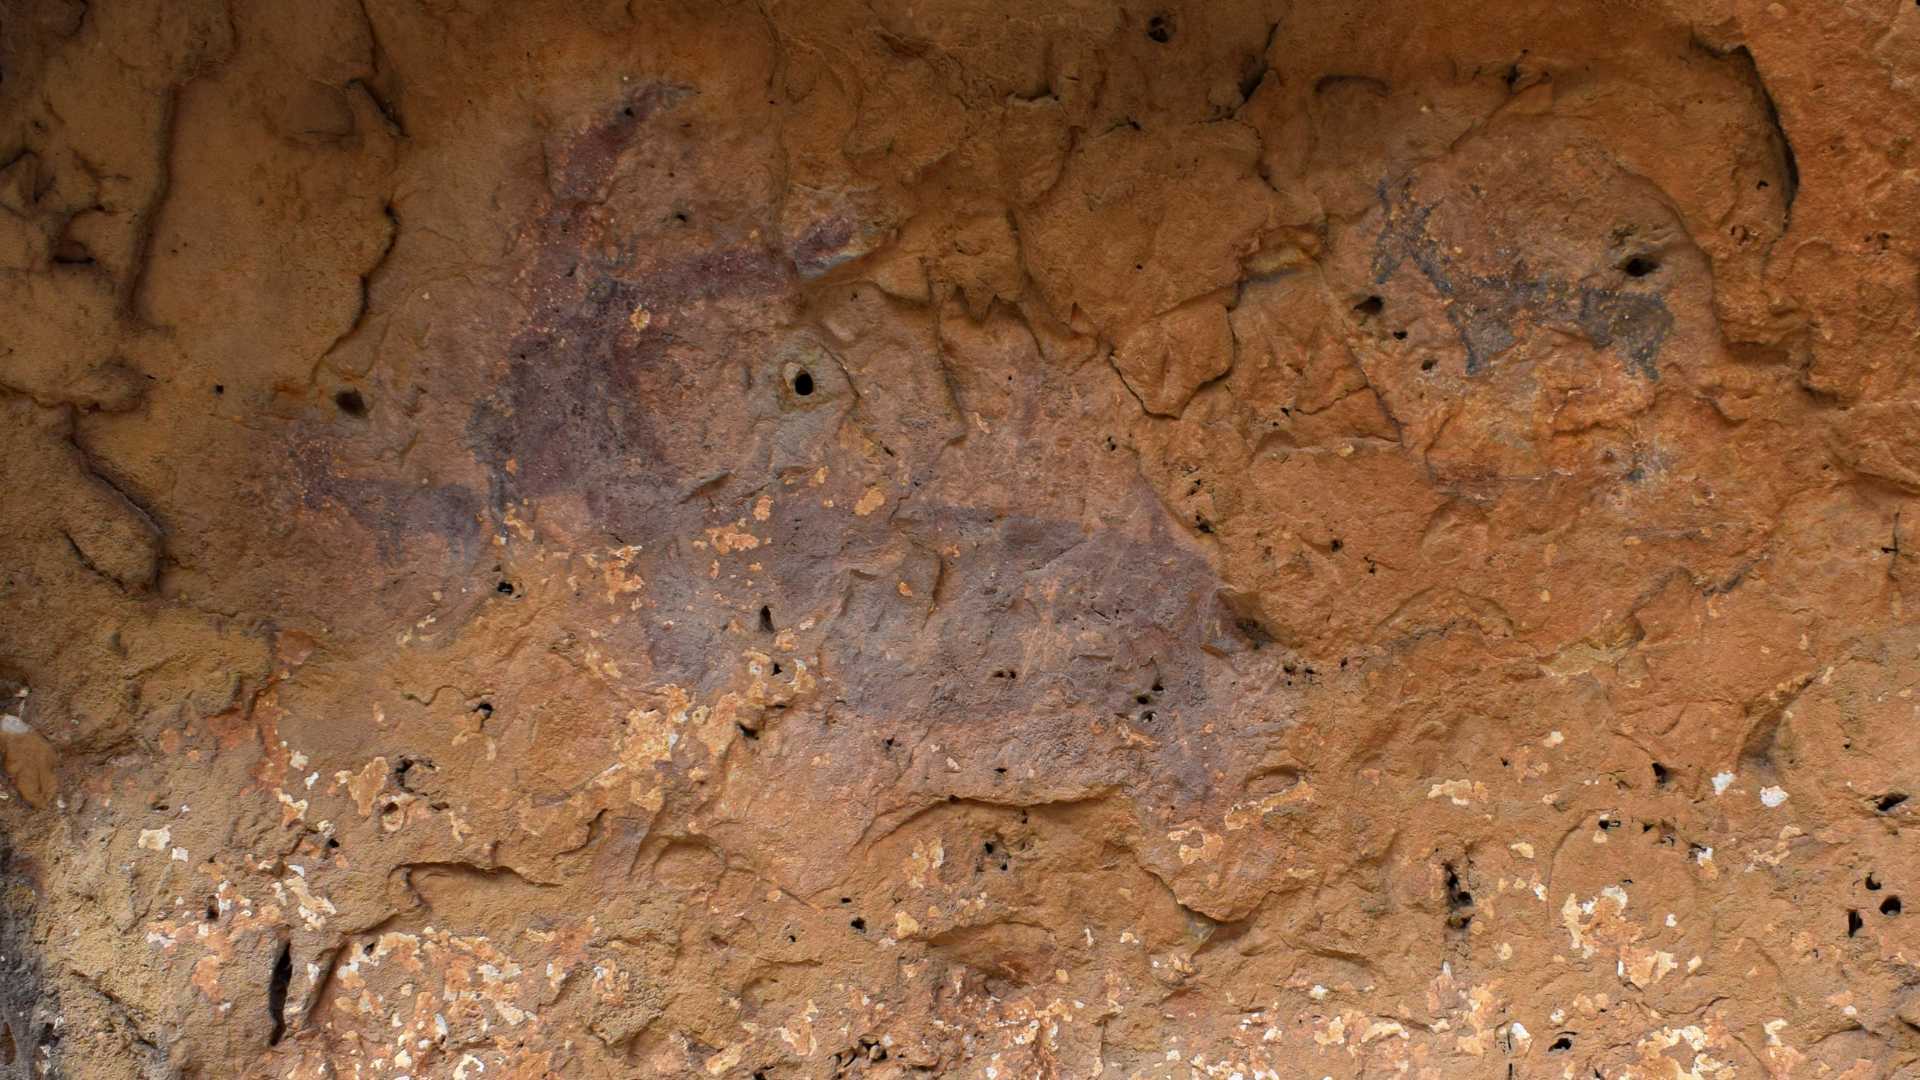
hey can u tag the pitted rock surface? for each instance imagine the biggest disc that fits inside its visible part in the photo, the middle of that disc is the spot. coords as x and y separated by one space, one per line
1241 539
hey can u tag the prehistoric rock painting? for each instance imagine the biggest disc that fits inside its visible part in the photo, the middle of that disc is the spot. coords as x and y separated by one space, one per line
1232 539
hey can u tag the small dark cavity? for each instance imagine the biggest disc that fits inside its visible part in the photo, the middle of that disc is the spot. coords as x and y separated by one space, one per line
1399 335
1255 74
1887 802
1428 363
1639 266
218 389
1160 28
351 403
1336 544
803 383
277 984
1459 900
747 731
505 588
1370 307
1872 883
1890 906
766 618
859 924
1659 773
485 709
402 771
213 911
1854 922
1562 1044
71 252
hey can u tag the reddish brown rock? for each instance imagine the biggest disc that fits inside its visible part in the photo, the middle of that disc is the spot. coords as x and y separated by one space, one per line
972 539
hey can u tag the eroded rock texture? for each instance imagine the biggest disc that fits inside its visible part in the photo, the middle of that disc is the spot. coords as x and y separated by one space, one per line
1227 539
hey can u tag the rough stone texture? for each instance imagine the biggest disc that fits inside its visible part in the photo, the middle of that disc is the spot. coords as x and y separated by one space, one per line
1288 538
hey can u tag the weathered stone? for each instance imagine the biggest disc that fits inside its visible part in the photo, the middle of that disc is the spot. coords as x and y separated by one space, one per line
972 539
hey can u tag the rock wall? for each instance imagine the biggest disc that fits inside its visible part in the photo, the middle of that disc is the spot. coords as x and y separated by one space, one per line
1284 538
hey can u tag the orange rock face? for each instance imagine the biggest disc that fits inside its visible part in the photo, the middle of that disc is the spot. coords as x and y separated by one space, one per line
977 539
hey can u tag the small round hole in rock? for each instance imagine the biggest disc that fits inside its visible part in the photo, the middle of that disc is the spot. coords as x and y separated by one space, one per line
803 383
350 402
1854 922
1639 266
1160 28
1372 305
1890 906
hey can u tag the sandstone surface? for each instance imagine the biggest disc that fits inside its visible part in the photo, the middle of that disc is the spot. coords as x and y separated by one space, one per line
1190 538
